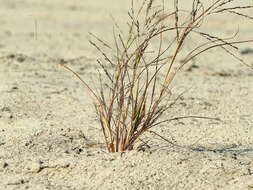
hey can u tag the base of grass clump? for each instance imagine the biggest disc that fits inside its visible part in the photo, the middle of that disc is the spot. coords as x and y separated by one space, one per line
136 92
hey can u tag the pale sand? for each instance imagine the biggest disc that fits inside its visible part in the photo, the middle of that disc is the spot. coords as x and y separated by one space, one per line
48 126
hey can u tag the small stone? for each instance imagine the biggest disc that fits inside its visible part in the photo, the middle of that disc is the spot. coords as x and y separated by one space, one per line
3 164
34 167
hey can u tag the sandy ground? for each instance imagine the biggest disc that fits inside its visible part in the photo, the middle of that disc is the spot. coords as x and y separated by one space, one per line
49 134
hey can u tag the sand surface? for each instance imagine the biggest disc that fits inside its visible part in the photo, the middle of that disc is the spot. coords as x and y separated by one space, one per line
50 137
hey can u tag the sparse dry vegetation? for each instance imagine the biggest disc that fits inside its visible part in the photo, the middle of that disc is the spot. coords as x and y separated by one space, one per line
141 66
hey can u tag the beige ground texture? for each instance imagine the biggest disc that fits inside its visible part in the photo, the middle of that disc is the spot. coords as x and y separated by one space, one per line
50 137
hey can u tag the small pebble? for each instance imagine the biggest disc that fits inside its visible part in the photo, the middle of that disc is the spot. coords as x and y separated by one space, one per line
34 167
3 164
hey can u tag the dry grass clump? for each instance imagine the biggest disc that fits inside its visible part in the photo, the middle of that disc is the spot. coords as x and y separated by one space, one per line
137 92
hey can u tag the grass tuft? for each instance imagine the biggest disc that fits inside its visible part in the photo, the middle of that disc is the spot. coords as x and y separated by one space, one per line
137 92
